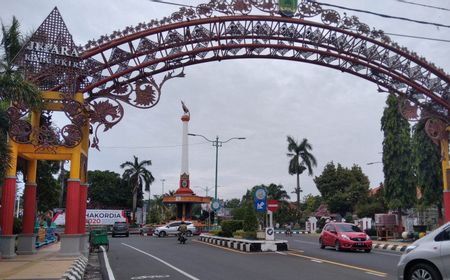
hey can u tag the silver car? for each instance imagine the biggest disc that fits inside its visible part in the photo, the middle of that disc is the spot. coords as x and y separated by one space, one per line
172 229
428 258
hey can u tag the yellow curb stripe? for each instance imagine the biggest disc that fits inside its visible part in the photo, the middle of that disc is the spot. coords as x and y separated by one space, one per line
378 273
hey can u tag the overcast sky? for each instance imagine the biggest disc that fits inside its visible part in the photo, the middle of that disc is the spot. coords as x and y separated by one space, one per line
262 100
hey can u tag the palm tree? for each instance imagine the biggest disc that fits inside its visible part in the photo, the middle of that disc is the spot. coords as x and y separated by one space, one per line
277 192
13 86
301 160
137 176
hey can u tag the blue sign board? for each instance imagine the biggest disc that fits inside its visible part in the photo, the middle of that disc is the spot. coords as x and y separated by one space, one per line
260 197
260 205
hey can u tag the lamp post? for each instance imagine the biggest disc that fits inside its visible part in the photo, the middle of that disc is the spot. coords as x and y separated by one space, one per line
162 195
216 143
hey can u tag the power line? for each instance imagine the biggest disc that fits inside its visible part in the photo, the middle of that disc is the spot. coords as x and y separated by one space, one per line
171 3
418 37
392 34
423 5
383 15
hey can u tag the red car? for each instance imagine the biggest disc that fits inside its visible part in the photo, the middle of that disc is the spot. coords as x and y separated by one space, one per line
344 236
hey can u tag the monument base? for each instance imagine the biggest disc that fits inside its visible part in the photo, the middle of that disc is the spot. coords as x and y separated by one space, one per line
84 245
8 246
70 245
26 244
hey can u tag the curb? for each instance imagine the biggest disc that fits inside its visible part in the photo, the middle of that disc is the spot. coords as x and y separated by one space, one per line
390 247
244 245
76 271
293 232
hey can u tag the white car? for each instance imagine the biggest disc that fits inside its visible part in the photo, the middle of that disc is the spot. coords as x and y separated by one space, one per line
428 258
172 229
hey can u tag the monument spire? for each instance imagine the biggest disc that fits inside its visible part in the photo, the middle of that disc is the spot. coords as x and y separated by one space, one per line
184 176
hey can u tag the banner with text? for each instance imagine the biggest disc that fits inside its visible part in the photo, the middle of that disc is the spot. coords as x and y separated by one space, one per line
95 217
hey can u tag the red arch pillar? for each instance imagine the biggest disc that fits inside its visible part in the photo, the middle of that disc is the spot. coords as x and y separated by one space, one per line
71 239
26 240
7 239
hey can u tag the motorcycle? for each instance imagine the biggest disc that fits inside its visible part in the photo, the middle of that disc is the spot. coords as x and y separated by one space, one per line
182 238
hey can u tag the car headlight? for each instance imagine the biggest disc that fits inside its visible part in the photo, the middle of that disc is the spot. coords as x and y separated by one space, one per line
410 248
345 237
368 237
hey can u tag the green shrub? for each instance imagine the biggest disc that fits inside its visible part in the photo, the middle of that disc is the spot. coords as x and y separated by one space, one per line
214 232
250 235
250 219
225 234
321 223
230 226
239 234
318 231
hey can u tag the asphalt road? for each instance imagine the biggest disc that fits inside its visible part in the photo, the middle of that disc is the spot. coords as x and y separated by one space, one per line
139 257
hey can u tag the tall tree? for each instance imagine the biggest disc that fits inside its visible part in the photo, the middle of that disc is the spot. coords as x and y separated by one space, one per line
13 87
399 181
428 167
342 188
137 176
301 160
107 190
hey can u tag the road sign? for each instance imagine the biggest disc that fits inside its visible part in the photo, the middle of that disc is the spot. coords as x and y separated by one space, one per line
260 194
270 233
215 205
260 205
272 205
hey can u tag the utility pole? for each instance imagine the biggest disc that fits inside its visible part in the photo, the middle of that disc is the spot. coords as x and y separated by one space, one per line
216 143
162 195
162 181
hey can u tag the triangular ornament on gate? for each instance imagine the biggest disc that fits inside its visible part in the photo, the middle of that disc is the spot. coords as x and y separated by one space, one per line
50 58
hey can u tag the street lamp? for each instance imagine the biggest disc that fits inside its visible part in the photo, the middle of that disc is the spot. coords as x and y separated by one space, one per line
216 143
375 162
162 181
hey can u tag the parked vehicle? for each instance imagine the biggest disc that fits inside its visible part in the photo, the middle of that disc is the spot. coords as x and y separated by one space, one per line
120 228
427 258
147 230
344 236
172 229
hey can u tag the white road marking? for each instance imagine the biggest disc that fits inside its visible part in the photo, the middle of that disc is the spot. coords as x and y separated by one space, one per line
150 277
164 262
376 274
281 253
108 267
317 261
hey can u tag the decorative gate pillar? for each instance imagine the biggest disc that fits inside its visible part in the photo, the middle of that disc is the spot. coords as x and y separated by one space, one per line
7 239
446 175
26 240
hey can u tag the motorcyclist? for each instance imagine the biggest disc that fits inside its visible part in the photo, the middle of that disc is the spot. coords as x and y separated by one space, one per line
182 230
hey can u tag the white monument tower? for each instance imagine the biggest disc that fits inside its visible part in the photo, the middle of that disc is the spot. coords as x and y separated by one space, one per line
184 177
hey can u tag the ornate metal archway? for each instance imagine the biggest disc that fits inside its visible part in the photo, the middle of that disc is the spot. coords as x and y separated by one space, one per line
122 67
90 84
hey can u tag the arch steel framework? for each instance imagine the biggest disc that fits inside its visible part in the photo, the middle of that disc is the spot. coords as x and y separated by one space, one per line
121 67
90 84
